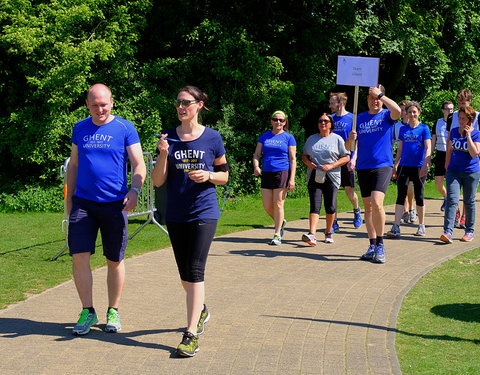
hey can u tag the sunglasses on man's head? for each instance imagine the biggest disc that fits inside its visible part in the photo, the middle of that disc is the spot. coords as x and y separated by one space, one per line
275 119
184 103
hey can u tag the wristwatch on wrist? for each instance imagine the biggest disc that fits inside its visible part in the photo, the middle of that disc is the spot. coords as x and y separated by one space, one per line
136 190
210 176
380 95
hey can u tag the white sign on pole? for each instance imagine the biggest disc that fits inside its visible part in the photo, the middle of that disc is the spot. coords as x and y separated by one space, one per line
357 71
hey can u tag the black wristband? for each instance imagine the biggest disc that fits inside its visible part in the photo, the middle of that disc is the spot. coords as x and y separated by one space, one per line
380 95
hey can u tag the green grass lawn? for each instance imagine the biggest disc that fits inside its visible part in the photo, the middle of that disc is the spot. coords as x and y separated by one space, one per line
438 327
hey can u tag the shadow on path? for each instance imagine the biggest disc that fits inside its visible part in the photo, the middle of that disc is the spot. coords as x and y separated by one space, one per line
383 328
13 328
313 256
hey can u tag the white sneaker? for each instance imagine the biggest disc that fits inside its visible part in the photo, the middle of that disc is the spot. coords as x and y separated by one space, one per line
328 238
276 240
421 230
412 216
310 239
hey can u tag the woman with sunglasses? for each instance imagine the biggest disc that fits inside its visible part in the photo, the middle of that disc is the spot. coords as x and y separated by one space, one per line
191 160
463 171
277 148
324 153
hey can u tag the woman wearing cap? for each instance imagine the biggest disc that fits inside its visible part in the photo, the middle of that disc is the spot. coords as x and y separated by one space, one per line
324 153
277 148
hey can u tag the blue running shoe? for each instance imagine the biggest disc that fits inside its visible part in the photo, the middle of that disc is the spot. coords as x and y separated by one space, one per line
336 227
379 254
394 232
283 227
357 219
369 254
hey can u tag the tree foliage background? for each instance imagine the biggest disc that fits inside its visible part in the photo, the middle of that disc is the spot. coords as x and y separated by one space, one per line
251 57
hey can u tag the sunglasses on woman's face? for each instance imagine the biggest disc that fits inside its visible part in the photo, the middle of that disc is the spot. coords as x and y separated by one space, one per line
323 121
275 119
184 103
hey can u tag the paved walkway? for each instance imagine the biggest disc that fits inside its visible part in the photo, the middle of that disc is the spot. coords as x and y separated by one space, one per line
291 309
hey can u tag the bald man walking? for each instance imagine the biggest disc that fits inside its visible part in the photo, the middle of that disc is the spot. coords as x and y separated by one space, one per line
98 198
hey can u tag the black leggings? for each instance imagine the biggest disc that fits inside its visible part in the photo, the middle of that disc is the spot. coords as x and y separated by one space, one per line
191 242
404 176
315 191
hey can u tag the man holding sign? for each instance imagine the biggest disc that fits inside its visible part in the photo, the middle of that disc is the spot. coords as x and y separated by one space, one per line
374 133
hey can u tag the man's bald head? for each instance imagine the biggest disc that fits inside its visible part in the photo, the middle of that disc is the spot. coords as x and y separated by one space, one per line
98 89
99 103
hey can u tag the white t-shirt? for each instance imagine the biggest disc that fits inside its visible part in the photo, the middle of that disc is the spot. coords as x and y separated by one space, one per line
441 133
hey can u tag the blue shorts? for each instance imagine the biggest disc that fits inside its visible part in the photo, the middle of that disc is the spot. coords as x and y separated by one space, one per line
87 217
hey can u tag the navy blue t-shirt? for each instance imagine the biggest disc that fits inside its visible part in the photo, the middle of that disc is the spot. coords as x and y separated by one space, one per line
186 199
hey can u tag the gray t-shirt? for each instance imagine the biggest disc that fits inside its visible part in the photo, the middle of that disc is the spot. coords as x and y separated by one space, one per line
325 150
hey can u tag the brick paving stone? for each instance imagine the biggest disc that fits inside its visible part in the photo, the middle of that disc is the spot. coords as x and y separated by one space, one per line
291 309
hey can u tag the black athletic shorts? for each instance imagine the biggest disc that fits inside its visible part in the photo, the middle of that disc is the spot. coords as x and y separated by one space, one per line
440 163
348 177
275 180
375 179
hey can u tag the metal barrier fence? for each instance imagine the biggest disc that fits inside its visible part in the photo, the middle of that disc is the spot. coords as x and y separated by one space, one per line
145 204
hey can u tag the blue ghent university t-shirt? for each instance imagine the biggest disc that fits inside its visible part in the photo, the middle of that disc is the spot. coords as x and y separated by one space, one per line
375 140
102 158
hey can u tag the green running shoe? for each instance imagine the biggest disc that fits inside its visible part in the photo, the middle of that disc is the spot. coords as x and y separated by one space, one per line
113 321
85 322
204 317
189 345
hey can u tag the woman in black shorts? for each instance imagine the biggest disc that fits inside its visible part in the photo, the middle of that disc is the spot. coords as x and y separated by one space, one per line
277 148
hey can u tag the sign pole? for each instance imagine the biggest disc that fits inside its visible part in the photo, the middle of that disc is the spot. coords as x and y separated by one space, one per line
354 125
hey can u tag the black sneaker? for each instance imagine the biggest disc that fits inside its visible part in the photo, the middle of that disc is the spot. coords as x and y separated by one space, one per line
189 345
204 317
